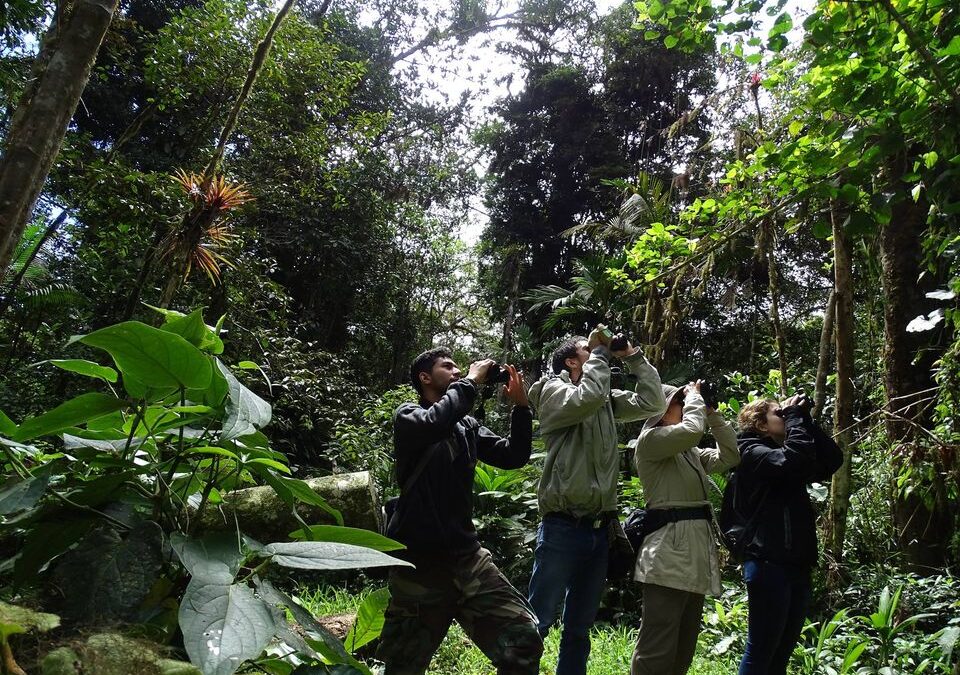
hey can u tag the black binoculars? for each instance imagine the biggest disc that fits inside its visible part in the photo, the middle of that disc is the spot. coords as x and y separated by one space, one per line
497 374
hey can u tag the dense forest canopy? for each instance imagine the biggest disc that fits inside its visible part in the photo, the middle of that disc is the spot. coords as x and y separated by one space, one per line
759 192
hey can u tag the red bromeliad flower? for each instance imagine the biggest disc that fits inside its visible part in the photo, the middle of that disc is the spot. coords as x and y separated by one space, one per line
195 239
755 81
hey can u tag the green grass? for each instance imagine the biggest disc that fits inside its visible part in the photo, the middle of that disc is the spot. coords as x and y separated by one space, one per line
610 654
612 646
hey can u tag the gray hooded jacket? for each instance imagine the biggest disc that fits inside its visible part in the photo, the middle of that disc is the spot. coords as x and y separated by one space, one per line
577 425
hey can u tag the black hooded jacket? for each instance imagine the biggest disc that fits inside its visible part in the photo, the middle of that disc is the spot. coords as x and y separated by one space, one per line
769 489
435 518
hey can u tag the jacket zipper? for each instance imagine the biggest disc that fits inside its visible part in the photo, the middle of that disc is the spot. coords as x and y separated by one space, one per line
787 531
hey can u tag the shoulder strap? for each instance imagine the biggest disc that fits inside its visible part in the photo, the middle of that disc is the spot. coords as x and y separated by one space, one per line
421 465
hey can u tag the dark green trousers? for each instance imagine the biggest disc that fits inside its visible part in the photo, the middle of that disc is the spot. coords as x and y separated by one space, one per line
470 589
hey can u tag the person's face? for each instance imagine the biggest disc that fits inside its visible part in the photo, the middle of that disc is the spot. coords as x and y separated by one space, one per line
674 414
773 425
441 376
575 363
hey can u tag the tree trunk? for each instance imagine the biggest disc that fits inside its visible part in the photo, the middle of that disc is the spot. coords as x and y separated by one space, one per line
651 323
510 316
40 121
133 299
267 518
765 243
259 58
823 364
842 295
775 319
672 314
923 528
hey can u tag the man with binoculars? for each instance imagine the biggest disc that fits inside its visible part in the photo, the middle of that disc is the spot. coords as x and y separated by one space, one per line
436 448
577 494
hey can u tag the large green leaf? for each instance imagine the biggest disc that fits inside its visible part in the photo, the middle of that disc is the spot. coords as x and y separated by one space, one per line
369 622
224 625
102 489
192 329
138 390
348 535
81 438
214 558
7 427
246 412
326 642
117 571
44 542
152 357
75 411
84 367
18 494
216 394
322 555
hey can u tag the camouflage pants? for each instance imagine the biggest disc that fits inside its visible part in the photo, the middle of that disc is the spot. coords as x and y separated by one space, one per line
470 589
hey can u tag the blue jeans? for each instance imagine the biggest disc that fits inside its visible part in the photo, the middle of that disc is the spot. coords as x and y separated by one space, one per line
569 570
778 597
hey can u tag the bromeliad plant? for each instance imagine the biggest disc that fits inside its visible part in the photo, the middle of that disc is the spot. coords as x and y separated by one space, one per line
168 433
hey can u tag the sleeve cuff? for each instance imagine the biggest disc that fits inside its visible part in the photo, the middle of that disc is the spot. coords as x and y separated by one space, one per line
602 352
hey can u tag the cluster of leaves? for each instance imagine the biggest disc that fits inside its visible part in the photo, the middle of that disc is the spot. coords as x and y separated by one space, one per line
368 445
880 641
506 513
169 433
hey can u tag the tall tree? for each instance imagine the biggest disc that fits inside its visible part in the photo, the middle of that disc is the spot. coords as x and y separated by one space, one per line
60 73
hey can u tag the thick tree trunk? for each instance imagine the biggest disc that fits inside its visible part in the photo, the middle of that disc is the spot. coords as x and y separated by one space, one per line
823 364
842 295
924 528
265 517
40 122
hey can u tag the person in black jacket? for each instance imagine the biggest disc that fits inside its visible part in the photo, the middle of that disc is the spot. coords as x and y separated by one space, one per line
436 447
781 451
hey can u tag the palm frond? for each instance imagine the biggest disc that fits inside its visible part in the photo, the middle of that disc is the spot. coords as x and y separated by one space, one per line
50 296
560 313
555 296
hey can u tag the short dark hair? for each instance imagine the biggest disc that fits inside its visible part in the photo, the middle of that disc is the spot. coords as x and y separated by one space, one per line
567 350
424 364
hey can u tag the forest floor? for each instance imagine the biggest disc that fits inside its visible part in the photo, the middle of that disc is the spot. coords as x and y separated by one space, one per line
611 646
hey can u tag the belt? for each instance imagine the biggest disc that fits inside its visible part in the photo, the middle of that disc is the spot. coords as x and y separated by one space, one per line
595 521
683 513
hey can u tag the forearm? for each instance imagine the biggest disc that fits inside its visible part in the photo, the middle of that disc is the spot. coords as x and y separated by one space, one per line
726 454
514 451
436 421
647 400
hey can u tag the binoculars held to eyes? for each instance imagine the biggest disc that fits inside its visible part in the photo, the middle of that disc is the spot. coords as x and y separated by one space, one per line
710 393
497 374
803 402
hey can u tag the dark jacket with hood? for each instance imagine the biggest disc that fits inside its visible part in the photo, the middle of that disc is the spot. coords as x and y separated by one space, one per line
435 517
769 490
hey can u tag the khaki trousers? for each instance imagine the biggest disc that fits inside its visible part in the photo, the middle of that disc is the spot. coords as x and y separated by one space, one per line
669 628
